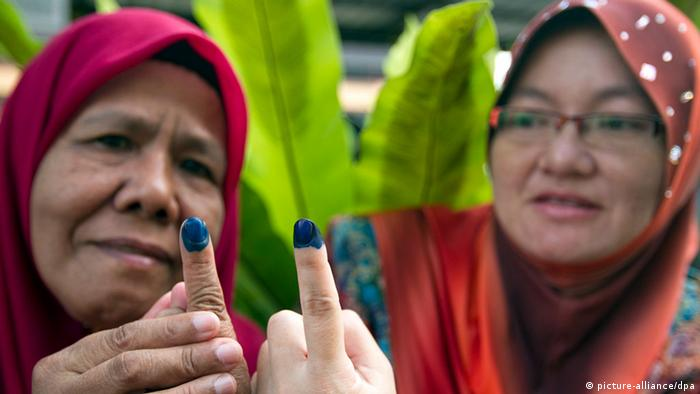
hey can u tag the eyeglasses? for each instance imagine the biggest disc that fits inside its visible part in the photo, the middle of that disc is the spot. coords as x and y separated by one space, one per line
598 130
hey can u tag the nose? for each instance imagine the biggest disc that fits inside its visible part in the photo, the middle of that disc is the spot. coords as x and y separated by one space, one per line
567 155
149 189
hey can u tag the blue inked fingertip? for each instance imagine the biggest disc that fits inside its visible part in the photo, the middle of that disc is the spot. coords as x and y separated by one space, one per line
194 233
306 234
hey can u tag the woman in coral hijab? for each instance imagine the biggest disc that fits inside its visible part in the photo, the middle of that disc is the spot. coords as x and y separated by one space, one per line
579 275
123 127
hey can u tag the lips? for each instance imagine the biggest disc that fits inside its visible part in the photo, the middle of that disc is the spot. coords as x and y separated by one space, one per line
565 206
134 251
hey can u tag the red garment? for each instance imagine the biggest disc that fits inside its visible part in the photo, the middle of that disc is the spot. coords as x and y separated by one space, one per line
463 300
76 62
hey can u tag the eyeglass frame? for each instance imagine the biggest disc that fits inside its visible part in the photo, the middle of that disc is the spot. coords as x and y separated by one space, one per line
563 119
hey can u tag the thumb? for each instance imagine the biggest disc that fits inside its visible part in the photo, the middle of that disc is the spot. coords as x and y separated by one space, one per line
170 303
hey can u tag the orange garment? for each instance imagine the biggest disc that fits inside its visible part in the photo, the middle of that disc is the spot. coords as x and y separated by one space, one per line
452 325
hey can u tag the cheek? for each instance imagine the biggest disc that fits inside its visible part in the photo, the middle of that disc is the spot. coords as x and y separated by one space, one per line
65 191
510 170
636 186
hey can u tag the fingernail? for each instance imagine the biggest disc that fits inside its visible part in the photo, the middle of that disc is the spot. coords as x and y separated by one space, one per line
228 353
205 322
306 234
224 385
195 235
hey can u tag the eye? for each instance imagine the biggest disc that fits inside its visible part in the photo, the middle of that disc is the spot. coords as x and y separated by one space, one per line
114 142
611 123
522 120
196 168
618 123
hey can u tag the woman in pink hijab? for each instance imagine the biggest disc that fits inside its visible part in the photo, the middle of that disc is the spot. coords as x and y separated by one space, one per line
123 127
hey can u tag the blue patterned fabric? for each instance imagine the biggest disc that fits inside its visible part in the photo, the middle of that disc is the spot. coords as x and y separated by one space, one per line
358 275
680 360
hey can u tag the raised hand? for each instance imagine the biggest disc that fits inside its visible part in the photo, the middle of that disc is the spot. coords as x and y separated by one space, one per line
184 344
327 350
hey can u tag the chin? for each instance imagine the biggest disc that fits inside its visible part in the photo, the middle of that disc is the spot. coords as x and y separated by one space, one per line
113 310
572 249
562 257
566 253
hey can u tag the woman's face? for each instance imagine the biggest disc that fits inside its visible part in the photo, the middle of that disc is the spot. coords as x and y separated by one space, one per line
563 200
145 152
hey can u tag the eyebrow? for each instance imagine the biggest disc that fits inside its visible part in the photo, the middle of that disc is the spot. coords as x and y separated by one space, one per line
120 119
620 91
531 92
604 95
130 122
207 147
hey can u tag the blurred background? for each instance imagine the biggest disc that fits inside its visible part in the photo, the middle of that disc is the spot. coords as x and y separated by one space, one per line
367 28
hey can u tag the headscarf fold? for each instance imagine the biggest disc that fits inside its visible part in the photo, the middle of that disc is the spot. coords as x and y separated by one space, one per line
54 86
500 325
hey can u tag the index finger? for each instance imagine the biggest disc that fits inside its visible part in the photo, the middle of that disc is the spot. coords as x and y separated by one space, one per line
320 306
199 270
203 287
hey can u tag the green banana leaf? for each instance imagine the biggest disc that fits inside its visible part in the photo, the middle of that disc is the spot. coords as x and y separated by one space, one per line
106 6
4 53
400 54
263 284
298 158
425 141
691 9
15 39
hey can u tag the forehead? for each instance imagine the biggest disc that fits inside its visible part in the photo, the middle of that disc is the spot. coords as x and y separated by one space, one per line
152 89
583 53
579 70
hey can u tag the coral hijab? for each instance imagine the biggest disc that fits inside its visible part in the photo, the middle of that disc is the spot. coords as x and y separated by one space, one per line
54 85
473 296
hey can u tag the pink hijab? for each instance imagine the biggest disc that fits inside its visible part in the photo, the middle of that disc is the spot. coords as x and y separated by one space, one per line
78 61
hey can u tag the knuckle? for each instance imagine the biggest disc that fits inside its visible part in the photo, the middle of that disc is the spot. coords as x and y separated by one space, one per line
194 389
200 260
126 367
282 316
281 319
171 329
187 362
188 389
44 363
209 299
40 370
320 305
121 338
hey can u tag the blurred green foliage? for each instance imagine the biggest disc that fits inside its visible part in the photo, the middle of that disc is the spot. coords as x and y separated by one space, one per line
106 6
287 55
690 8
425 142
16 41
